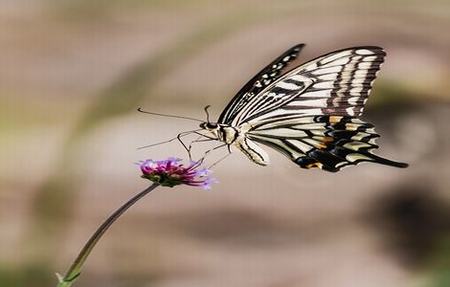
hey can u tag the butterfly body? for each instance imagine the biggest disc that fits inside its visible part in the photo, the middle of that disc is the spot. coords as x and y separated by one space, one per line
221 132
310 113
233 136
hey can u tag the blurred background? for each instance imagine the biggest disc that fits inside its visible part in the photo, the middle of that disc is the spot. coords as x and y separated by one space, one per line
72 75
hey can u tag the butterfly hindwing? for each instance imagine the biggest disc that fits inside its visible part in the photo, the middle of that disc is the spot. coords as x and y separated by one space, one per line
326 142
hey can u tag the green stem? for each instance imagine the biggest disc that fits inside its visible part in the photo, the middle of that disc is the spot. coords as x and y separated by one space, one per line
75 269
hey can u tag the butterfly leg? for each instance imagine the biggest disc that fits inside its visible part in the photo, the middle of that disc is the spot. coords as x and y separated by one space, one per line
206 136
190 147
212 149
197 140
222 158
183 144
180 135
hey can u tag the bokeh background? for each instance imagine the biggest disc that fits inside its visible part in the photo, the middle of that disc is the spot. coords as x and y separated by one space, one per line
73 73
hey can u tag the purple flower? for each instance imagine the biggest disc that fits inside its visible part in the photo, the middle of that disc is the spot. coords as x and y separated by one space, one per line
171 172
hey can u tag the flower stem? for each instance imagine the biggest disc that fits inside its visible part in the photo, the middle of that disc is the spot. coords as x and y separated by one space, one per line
75 269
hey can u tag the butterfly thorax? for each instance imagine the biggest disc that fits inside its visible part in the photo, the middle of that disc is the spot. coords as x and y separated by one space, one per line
222 132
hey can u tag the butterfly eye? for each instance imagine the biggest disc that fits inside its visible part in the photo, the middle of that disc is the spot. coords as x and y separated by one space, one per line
211 125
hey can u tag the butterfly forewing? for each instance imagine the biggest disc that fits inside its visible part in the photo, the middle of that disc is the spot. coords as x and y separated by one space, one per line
335 84
342 81
261 80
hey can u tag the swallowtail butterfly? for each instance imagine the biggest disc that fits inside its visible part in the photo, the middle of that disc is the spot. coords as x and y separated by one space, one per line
310 113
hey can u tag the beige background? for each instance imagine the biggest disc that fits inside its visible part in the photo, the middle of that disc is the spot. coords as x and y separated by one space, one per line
72 74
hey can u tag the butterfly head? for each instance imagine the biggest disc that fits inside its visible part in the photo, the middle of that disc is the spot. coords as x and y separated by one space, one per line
212 128
209 126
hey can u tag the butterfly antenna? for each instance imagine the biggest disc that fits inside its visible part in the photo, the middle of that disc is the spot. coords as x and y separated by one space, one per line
158 143
165 115
207 113
177 137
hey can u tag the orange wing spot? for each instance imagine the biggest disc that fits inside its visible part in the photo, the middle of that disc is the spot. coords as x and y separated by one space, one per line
335 119
352 126
322 142
313 165
322 146
328 140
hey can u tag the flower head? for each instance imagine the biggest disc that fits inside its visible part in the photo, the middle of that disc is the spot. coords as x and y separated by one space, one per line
171 172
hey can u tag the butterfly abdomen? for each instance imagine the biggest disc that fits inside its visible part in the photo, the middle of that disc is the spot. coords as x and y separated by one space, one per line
252 150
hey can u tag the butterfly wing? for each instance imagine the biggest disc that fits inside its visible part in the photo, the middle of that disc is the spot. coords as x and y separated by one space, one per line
310 113
261 80
326 142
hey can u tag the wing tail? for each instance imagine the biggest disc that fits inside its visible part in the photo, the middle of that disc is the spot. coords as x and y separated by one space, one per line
385 161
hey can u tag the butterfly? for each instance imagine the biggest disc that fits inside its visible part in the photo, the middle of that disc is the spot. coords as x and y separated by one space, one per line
311 113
